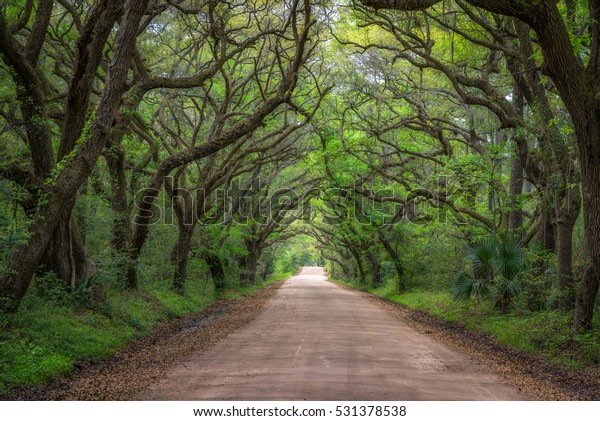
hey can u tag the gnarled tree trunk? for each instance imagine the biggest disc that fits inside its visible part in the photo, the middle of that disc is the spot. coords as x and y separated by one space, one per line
215 265
375 264
180 256
25 259
65 253
567 216
401 282
251 261
121 229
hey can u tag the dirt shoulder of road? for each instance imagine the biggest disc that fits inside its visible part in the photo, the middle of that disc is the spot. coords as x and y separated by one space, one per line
532 374
125 374
146 361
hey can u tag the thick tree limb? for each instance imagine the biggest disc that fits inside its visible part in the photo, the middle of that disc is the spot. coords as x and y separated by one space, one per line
38 31
19 271
516 8
89 56
31 94
405 5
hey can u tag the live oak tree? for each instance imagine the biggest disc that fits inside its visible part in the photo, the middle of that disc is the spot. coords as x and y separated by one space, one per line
199 204
476 76
578 83
37 93
274 60
374 131
279 199
60 191
276 91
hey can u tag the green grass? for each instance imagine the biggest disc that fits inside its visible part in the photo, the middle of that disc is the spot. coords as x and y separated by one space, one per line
47 337
547 333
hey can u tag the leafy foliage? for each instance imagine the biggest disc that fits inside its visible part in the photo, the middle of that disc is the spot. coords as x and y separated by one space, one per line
240 140
497 270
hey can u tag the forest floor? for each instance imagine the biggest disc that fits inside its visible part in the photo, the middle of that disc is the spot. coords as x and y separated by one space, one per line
311 339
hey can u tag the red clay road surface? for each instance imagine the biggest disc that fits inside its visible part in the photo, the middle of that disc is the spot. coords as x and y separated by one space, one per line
318 341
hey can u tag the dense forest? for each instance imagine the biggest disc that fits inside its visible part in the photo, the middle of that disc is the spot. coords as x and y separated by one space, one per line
158 153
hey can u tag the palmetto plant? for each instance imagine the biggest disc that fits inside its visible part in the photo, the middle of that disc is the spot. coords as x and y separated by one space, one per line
497 268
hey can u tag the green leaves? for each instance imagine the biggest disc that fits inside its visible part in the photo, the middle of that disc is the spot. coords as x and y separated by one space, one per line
497 267
465 287
482 257
509 260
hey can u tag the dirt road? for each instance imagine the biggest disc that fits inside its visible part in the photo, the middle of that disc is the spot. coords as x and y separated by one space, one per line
318 341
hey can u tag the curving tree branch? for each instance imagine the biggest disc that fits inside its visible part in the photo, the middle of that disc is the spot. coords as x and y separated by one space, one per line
405 5
526 10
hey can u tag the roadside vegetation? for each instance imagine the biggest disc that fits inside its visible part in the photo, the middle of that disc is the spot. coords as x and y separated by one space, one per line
532 324
56 331
156 155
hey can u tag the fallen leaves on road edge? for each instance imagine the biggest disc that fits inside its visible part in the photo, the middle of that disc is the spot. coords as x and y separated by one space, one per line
126 374
536 377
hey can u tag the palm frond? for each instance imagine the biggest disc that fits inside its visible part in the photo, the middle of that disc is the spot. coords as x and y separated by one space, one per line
508 287
481 257
497 266
466 287
509 261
